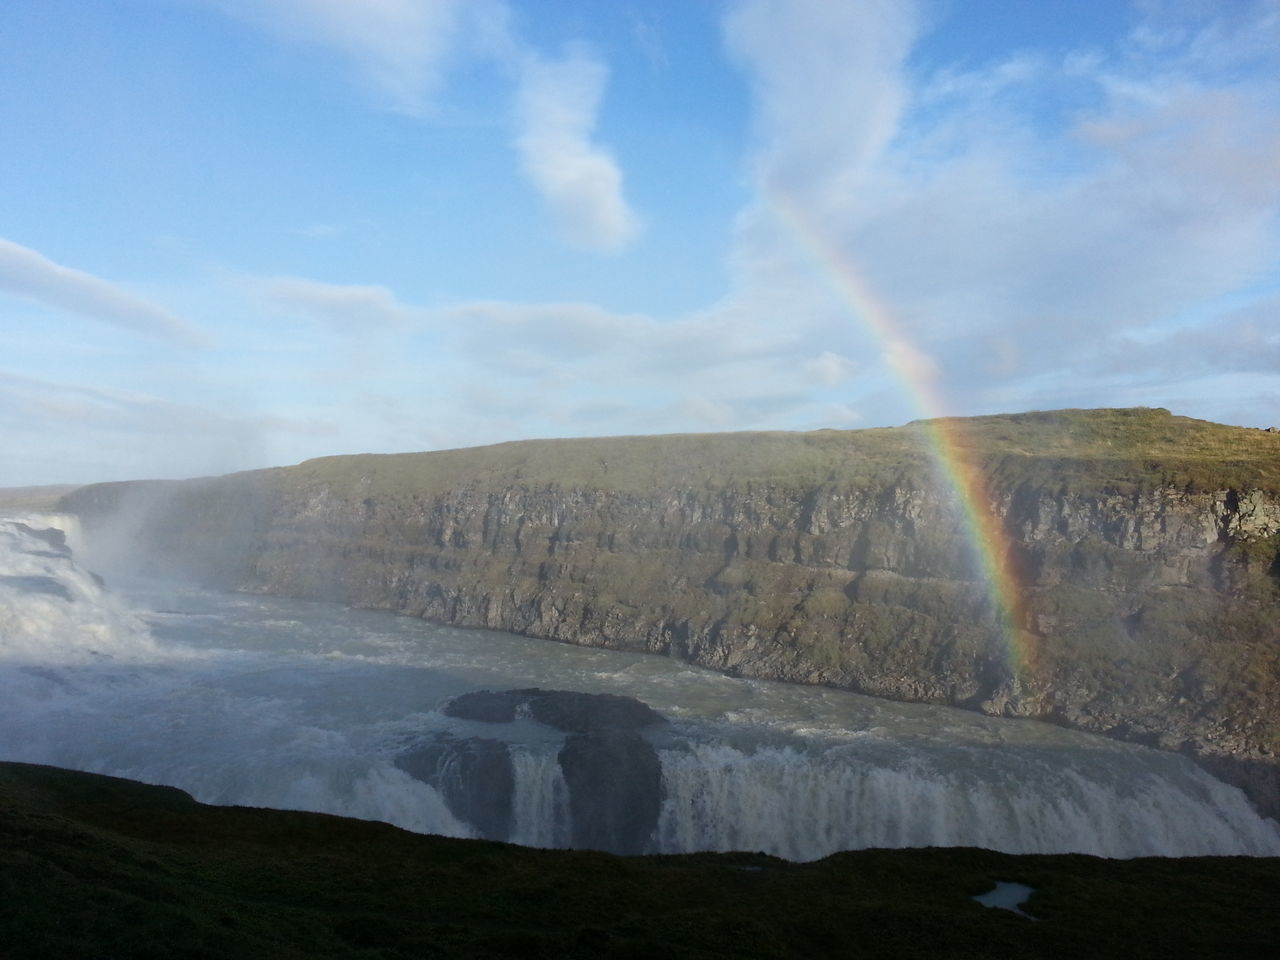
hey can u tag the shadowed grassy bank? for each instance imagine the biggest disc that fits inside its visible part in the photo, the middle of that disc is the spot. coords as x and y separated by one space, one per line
98 867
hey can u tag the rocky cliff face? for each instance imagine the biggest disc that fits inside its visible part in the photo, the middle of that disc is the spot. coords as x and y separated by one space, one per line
1149 575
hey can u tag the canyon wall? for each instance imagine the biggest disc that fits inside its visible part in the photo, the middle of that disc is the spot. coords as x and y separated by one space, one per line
1146 549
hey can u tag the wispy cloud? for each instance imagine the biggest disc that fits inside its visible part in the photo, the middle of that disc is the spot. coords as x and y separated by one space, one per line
66 430
105 406
29 274
346 308
481 371
557 106
1006 240
828 84
1022 258
404 50
400 48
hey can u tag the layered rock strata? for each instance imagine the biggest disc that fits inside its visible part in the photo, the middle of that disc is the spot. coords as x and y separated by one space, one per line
1145 550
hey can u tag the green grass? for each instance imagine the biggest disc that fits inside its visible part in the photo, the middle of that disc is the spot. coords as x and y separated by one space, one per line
95 867
1106 449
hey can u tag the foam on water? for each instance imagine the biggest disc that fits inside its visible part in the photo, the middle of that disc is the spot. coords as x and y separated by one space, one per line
281 703
54 612
804 805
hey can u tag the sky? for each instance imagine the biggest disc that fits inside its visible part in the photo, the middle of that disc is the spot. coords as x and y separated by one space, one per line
244 233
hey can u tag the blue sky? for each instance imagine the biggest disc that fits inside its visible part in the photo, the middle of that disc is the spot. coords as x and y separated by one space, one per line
240 233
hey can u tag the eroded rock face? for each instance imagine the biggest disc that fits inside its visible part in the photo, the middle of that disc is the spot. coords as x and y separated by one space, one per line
613 775
474 776
56 539
487 706
567 710
615 790
1148 604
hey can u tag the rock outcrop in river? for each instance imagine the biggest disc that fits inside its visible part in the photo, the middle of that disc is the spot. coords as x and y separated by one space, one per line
1144 548
612 775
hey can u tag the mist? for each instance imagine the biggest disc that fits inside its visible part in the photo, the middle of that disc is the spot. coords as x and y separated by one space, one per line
258 701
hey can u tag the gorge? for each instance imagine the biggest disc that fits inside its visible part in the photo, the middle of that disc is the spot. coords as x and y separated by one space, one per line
1146 549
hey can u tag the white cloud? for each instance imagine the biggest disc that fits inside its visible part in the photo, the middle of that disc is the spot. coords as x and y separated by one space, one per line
29 274
840 415
401 48
89 433
1019 259
557 106
829 91
564 332
404 50
828 368
1006 239
346 308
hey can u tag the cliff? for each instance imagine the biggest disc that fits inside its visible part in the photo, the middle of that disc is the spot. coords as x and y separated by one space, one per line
1146 549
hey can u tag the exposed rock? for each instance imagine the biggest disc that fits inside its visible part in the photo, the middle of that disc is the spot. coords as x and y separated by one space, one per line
568 710
34 584
615 790
488 706
1143 551
587 712
56 539
474 776
614 776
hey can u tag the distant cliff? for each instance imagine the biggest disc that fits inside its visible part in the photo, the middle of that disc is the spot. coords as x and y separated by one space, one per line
1147 548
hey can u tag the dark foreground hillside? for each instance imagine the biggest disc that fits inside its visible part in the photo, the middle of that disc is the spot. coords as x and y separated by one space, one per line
98 867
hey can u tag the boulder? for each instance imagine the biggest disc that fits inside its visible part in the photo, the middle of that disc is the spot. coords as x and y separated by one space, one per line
567 710
474 775
613 775
56 539
615 790
488 706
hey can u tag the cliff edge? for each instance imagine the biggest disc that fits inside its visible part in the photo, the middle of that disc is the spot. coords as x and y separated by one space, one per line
1145 549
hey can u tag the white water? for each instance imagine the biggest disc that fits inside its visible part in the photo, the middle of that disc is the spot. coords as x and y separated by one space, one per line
280 703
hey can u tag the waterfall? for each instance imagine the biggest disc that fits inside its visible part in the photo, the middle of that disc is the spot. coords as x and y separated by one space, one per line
802 806
269 702
540 811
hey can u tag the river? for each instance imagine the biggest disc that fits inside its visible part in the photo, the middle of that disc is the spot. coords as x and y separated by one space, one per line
263 701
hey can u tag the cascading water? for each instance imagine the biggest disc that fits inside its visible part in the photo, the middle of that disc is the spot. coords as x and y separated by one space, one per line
803 805
281 703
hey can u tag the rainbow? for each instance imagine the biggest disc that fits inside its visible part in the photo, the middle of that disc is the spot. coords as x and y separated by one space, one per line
955 457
